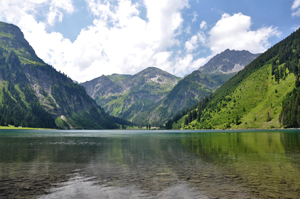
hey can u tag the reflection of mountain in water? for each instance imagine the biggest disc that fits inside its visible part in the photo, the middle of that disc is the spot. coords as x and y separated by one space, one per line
150 164
266 162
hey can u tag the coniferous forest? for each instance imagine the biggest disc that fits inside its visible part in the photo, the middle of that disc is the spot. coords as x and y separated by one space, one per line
284 61
14 110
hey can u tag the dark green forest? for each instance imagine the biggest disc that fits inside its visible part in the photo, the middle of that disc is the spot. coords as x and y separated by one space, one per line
14 110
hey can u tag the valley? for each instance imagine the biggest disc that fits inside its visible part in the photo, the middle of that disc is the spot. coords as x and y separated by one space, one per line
153 96
233 90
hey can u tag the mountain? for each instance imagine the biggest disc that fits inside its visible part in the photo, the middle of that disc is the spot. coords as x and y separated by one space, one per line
265 94
195 86
129 96
34 94
228 62
186 93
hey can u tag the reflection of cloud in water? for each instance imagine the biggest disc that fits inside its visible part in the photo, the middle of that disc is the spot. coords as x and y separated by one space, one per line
81 187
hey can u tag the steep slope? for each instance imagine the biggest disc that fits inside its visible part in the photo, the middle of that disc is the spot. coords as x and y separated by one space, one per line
115 92
194 87
34 94
263 95
129 96
106 88
186 93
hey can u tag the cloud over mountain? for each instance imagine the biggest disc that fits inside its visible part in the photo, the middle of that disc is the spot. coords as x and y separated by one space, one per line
127 36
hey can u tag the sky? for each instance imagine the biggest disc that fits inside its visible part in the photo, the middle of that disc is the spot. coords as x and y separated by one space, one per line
89 38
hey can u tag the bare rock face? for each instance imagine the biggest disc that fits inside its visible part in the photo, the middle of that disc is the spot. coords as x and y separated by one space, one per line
227 62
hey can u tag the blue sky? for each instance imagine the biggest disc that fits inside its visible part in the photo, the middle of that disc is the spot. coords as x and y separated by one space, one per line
88 38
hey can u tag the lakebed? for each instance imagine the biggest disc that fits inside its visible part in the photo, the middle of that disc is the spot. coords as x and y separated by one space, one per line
149 164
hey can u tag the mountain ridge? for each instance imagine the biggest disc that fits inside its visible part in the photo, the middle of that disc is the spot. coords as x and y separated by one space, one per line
194 87
36 89
109 92
265 94
128 96
228 61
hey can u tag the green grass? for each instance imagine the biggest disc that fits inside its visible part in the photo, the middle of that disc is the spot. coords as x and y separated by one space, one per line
118 78
61 124
179 124
252 100
21 128
3 34
24 60
116 106
2 85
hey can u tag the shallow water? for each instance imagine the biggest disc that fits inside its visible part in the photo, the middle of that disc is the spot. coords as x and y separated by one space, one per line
149 164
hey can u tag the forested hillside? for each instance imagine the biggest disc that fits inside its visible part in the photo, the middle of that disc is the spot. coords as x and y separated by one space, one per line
153 96
187 92
34 94
265 94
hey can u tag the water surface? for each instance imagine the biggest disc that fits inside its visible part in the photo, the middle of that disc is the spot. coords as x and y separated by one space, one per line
149 164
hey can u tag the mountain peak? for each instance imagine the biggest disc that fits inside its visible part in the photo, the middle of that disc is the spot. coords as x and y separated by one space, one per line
12 38
44 98
132 96
228 62
152 69
151 72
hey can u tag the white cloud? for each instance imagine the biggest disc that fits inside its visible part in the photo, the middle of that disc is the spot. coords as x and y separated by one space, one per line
14 10
188 29
234 32
182 65
195 15
131 43
196 64
203 25
57 9
187 64
202 37
296 6
51 47
191 44
120 41
295 27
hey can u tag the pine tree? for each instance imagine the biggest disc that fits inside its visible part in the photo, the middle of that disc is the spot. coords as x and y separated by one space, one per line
190 117
186 120
268 117
237 120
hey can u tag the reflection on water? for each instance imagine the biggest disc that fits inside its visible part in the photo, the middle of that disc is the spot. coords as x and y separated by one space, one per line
149 164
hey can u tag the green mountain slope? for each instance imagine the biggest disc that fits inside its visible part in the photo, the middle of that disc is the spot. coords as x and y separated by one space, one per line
145 100
186 93
130 96
34 94
195 86
263 95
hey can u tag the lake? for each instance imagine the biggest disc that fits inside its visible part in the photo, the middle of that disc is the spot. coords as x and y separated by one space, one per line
149 164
